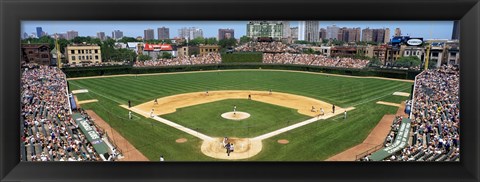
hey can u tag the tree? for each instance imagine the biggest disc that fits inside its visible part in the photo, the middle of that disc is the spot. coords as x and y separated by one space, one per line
127 39
231 42
432 64
78 40
120 55
197 41
167 55
309 51
337 42
245 39
409 61
375 62
144 57
211 41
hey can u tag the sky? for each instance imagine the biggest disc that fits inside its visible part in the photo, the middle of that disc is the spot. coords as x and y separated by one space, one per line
425 29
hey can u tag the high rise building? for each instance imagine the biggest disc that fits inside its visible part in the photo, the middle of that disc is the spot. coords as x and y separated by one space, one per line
71 34
101 36
190 33
286 29
225 34
387 36
311 31
163 33
148 34
379 35
367 35
294 33
39 32
332 32
117 34
25 35
273 29
349 34
322 34
301 30
398 32
376 35
456 30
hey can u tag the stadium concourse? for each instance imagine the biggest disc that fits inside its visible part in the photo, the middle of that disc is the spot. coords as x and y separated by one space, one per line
273 53
435 119
50 128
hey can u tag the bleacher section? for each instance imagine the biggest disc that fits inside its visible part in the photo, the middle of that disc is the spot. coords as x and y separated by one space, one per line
435 119
49 131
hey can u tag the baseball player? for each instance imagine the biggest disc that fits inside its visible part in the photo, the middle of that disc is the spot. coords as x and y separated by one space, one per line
322 111
333 108
234 109
206 92
345 114
129 104
228 149
155 102
224 142
313 109
270 92
151 113
130 114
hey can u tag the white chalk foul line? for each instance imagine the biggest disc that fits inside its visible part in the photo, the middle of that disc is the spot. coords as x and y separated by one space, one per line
297 125
172 124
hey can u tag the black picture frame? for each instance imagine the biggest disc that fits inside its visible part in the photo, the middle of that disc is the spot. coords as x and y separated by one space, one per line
12 12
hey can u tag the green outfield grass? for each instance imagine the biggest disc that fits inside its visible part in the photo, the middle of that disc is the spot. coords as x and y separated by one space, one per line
207 119
316 141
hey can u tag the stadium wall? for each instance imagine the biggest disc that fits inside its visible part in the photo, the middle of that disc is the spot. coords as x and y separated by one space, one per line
100 71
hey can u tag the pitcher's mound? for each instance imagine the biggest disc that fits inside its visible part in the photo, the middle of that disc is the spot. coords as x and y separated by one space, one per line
237 116
282 141
181 140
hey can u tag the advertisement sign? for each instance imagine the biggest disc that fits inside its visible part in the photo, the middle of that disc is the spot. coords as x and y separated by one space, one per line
414 41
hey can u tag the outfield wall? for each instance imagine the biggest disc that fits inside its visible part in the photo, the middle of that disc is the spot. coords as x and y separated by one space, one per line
99 71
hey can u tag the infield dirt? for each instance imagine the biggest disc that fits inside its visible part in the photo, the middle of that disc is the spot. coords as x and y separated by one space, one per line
302 104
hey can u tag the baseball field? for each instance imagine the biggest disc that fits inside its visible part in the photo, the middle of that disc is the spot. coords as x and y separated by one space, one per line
188 124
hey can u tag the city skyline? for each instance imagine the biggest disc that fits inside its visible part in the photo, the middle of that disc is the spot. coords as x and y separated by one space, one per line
425 29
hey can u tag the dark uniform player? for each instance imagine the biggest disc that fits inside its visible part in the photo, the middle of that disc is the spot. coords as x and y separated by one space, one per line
333 108
228 149
155 102
249 97
129 104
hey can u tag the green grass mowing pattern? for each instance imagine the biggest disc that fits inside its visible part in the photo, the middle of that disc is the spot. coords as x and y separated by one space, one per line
395 99
207 119
338 90
311 142
149 136
323 139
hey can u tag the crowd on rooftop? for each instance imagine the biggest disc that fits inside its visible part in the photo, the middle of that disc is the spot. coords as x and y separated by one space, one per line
208 58
277 47
313 59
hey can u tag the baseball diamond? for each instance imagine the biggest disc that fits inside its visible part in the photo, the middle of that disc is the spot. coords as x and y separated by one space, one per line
185 111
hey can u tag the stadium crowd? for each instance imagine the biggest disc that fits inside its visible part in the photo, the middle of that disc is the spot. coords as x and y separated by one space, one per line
276 47
66 65
435 117
313 59
49 132
209 58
